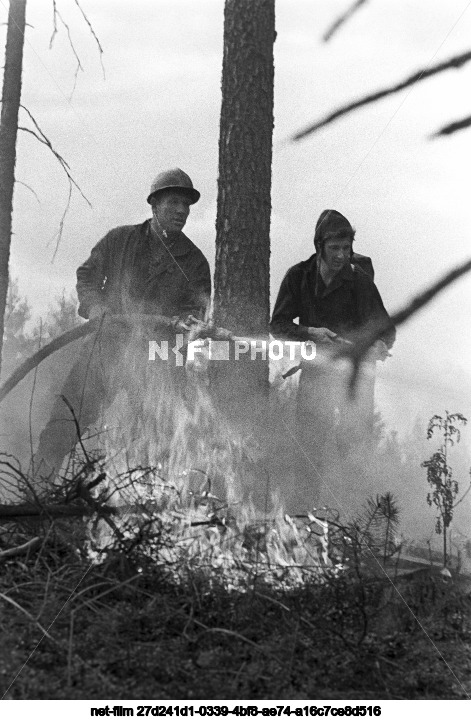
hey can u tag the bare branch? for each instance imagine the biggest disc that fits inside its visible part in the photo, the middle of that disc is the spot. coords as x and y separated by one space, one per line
453 127
54 16
59 233
79 64
39 135
357 352
100 49
23 610
458 61
330 32
19 182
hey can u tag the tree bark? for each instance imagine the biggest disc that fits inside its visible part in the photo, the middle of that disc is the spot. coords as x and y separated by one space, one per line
242 275
8 132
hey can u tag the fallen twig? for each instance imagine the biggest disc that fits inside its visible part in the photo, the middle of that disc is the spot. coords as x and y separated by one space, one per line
58 510
19 550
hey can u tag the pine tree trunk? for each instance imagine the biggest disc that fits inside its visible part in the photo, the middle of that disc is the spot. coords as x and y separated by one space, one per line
8 131
242 276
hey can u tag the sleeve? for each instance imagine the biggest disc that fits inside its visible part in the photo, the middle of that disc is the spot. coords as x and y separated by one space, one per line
287 308
375 314
199 297
91 277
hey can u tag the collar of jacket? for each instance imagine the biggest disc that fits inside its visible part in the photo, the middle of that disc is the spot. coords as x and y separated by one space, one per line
343 276
178 247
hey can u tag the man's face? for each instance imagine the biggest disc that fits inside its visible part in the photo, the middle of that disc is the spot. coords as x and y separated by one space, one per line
336 253
171 209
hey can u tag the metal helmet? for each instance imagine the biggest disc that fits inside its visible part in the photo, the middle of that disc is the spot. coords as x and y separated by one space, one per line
174 179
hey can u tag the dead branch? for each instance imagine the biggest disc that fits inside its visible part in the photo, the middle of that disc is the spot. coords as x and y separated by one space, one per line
342 19
58 236
20 550
50 510
42 137
458 61
23 610
453 127
100 49
20 182
358 351
56 14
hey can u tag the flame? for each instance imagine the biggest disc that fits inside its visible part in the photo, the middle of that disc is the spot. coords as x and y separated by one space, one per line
177 470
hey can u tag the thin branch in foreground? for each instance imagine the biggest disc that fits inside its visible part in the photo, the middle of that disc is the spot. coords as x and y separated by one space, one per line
454 127
342 19
458 61
357 352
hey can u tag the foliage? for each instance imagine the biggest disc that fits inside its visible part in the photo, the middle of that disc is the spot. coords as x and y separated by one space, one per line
445 488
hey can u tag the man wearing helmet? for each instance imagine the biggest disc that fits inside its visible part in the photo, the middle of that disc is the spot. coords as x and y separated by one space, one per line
148 269
336 301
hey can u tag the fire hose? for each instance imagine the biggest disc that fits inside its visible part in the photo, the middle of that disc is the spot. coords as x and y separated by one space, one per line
205 331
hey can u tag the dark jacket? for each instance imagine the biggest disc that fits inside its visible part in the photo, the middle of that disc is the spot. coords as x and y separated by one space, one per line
119 274
349 305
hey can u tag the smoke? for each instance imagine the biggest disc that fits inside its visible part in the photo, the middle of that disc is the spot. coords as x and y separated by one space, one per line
169 419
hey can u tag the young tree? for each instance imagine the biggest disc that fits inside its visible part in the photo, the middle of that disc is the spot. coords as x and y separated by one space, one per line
440 476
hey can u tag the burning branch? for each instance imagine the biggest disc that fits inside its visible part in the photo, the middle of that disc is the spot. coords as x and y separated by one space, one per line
451 64
342 19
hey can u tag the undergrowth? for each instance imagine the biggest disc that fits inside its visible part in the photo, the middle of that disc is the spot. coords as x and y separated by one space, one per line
132 599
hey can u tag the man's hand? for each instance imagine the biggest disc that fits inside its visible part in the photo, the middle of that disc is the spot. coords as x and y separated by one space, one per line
194 327
97 311
379 351
324 335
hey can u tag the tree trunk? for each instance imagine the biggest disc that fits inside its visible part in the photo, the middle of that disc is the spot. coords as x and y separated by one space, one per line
242 276
8 131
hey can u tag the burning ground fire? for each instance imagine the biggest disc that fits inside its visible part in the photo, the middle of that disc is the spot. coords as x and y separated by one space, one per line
179 471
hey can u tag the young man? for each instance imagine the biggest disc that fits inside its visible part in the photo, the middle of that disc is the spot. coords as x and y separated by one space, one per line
134 271
336 301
